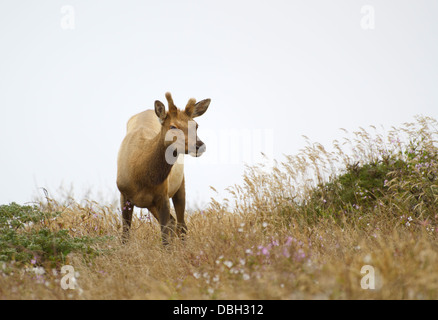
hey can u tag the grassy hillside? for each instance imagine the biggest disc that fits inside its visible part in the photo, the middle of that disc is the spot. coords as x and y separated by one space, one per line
305 229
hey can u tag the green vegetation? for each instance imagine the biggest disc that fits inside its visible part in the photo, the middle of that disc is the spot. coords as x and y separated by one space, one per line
407 179
26 238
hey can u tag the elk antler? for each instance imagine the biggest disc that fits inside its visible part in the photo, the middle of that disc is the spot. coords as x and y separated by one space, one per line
172 107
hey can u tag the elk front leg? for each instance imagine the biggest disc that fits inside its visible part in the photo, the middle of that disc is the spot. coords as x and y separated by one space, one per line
179 203
127 208
166 221
154 212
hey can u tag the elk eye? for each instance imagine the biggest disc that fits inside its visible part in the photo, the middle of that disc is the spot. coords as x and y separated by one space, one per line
172 127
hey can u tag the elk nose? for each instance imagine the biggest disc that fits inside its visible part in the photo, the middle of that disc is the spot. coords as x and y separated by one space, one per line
200 148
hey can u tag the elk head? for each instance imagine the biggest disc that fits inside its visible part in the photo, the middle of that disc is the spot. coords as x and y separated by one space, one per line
180 125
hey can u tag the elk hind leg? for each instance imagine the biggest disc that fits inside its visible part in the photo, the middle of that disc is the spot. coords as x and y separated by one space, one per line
127 209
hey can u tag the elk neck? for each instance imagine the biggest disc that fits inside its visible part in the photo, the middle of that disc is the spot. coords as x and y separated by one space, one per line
156 168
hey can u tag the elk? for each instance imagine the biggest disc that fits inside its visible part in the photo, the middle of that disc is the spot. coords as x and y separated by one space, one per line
150 169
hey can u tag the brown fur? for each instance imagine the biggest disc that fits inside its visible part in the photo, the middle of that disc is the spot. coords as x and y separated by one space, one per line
144 178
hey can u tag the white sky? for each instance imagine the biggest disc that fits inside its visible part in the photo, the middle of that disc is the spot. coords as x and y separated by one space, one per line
275 70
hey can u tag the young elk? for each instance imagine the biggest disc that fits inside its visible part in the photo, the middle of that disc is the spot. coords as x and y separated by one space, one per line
149 165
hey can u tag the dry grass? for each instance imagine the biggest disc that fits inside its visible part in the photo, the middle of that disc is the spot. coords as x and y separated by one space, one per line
281 236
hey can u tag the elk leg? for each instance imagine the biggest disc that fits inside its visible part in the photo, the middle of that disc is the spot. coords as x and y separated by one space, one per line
165 221
179 203
127 208
154 212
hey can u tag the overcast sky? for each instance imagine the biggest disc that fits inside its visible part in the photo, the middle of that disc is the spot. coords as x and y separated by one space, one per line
73 72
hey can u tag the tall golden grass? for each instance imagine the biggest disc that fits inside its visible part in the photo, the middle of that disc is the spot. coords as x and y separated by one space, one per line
280 235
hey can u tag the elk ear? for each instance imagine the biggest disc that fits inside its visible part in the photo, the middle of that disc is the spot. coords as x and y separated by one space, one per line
160 111
198 109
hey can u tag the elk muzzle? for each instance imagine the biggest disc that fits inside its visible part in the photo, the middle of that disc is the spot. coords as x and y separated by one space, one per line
200 148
